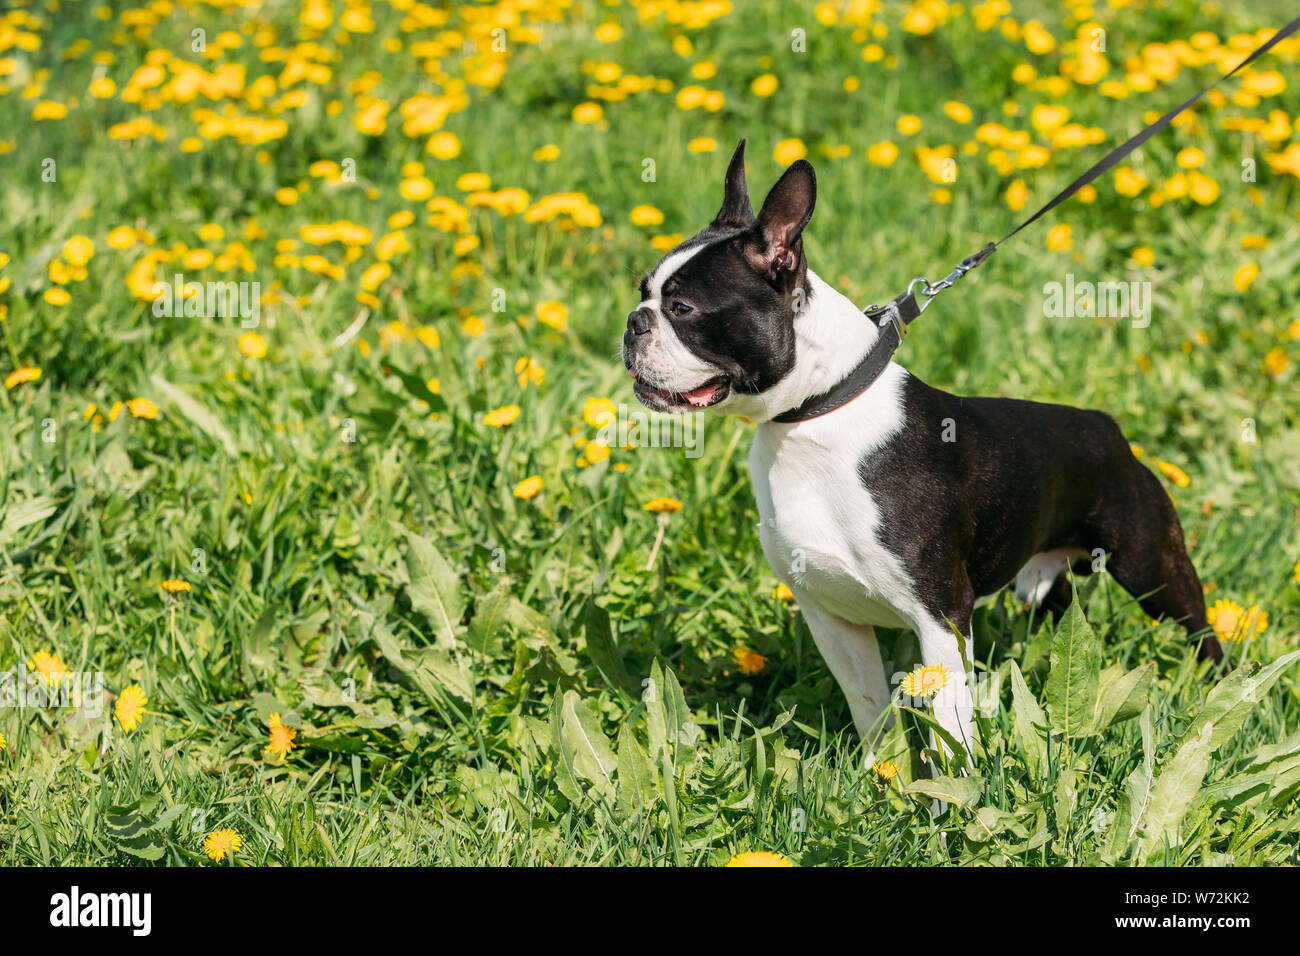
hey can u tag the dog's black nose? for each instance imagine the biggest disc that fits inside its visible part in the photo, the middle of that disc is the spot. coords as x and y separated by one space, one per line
638 322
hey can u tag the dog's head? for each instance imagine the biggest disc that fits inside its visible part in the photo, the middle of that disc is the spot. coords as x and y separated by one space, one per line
716 318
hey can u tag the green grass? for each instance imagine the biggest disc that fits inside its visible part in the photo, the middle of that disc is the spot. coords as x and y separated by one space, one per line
440 645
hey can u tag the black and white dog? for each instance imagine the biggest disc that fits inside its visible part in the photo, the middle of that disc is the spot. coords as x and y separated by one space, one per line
868 514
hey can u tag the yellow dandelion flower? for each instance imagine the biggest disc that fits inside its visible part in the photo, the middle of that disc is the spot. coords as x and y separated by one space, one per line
252 345
598 412
759 858
220 844
789 150
473 182
129 709
51 668
1017 194
1276 362
646 216
280 740
28 373
123 237
528 370
882 154
957 112
1129 182
547 154
554 314
78 250
142 408
416 189
926 681
588 113
885 769
444 145
783 593
1243 277
529 487
764 85
1060 238
1174 474
747 661
908 124
58 297
1232 622
702 144
174 585
663 505
501 417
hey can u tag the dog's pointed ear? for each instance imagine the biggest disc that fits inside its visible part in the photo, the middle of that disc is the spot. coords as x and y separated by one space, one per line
736 210
776 245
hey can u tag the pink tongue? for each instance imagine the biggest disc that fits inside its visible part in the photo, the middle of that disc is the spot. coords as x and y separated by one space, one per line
700 396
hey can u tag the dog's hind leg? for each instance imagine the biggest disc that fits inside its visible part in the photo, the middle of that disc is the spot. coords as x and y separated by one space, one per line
1148 557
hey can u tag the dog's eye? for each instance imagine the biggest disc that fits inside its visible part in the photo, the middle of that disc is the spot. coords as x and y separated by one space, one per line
681 308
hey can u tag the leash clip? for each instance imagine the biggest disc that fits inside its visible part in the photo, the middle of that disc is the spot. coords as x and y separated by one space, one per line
930 290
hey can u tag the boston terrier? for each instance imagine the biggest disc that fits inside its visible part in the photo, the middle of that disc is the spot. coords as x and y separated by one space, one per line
884 501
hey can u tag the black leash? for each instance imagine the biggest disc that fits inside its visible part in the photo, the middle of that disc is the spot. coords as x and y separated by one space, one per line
894 317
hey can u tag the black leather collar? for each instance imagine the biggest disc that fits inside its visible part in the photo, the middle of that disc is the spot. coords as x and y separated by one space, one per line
892 320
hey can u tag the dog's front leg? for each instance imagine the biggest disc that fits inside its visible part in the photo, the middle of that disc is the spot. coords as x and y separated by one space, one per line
853 656
953 705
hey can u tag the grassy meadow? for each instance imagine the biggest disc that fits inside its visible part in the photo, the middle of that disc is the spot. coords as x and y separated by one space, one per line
350 570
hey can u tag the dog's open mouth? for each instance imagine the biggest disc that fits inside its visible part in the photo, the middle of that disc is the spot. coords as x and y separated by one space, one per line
702 396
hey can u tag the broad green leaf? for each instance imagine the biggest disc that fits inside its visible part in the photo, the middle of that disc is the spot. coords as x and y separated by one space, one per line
566 780
144 847
638 782
23 513
1065 799
488 625
445 668
426 668
602 650
1138 783
1121 696
683 731
1029 723
961 791
1246 788
656 719
1173 791
583 747
1072 681
434 589
1235 697
990 822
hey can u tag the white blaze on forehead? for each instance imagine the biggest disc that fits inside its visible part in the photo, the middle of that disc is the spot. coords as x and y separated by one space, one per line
665 270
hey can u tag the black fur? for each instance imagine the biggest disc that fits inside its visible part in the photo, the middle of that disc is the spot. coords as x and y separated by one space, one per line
1019 478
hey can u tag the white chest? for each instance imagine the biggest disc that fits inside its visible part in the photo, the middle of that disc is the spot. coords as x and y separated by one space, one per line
818 522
